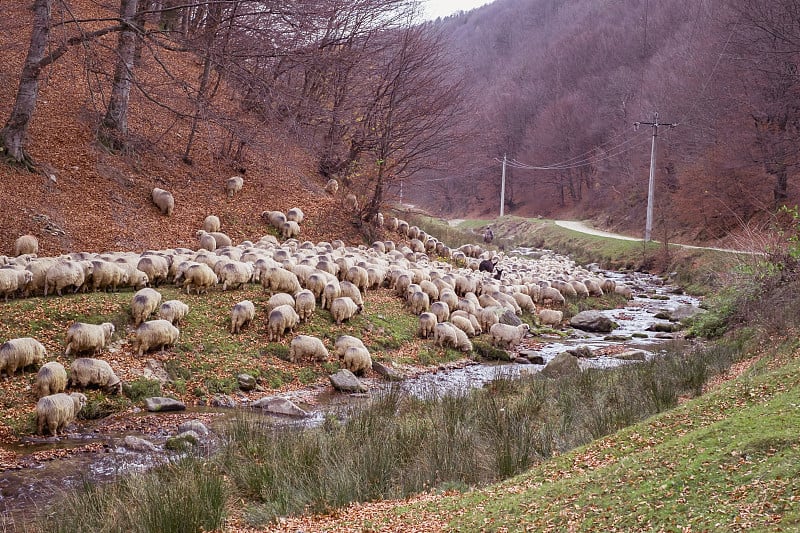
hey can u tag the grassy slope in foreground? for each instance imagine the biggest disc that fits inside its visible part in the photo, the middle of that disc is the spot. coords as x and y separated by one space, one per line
727 461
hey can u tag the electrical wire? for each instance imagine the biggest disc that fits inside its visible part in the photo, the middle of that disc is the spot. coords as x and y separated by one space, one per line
613 152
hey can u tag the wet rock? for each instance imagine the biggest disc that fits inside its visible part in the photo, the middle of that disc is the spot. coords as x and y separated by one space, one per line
617 338
592 321
561 365
388 373
632 355
280 406
193 425
581 352
508 317
664 327
664 336
683 312
182 442
532 356
158 404
138 444
246 382
223 400
346 381
522 361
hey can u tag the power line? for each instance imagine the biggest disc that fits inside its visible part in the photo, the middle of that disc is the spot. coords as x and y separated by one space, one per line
652 182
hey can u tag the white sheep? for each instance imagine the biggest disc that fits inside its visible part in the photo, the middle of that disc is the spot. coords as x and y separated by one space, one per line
307 346
242 314
351 202
427 322
26 244
305 304
156 267
200 277
233 185
280 280
275 218
154 334
419 302
82 337
290 229
350 290
281 319
357 360
163 200
463 324
551 295
235 274
444 334
20 353
211 223
506 336
57 411
206 241
608 286
51 379
330 292
107 275
87 372
344 308
13 280
524 302
38 268
462 341
332 187
174 311
550 317
278 299
623 290
65 274
221 239
358 276
489 316
343 342
295 214
143 304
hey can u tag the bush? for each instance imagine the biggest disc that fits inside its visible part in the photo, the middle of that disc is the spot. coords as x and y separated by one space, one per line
141 388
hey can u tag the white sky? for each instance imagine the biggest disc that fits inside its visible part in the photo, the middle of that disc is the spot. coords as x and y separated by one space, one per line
442 8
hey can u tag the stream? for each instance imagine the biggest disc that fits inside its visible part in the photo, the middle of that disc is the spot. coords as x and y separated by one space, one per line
105 457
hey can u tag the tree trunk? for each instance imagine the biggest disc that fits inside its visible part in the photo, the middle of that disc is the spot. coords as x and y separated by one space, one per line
114 128
14 133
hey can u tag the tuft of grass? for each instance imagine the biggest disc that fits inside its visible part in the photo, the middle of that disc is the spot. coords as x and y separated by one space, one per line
142 388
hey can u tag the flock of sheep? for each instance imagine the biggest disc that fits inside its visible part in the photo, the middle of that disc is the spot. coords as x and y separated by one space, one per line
453 303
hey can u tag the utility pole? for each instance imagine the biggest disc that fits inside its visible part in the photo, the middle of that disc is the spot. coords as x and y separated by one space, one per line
652 183
503 187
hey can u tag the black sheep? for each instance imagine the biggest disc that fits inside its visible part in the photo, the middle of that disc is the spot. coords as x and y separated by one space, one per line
488 265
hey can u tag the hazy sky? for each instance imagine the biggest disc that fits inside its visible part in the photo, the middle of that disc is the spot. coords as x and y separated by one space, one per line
442 8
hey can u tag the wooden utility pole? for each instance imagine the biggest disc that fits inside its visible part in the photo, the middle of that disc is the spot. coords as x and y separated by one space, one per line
648 228
503 187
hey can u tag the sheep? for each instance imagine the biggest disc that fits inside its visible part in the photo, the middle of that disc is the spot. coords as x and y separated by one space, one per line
280 280
278 299
154 334
305 304
107 275
347 288
358 276
156 267
66 274
462 341
594 286
163 200
233 185
473 320
307 346
580 288
242 314
174 311
608 286
351 202
211 223
86 372
26 244
295 214
206 241
463 324
507 336
330 292
441 310
550 317
143 304
275 218
449 297
624 290
290 229
56 411
332 187
13 280
344 308
488 317
281 319
82 337
38 269
221 239
444 334
391 224
51 379
357 360
235 274
552 296
427 321
419 302
343 342
20 353
524 302
200 277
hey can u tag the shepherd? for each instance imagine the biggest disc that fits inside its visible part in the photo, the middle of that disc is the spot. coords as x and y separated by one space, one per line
488 235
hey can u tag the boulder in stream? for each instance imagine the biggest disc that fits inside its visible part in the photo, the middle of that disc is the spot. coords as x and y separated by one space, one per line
593 321
346 381
158 404
280 406
561 365
388 373
138 444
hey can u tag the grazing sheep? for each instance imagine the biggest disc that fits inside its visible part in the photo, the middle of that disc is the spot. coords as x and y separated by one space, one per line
290 229
580 288
608 286
26 244
344 308
305 304
200 277
462 341
524 302
349 289
154 334
489 316
449 297
233 185
281 319
278 299
503 335
551 295
463 324
20 353
624 290
66 274
351 202
358 276
594 286
278 279
444 334
357 360
13 280
83 337
86 372
275 218
107 275
57 411
143 304
235 274
174 311
307 346
441 310
332 187
550 317
343 342
242 314
211 223
51 379
331 291
206 241
163 200
473 320
419 302
156 267
221 239
427 322
295 214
